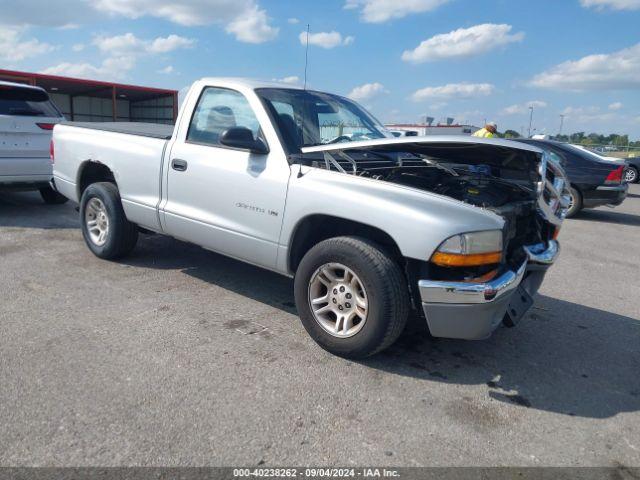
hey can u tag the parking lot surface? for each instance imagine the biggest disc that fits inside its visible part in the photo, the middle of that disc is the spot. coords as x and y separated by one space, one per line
179 356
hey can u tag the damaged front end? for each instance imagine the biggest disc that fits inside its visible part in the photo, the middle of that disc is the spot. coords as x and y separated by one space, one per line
524 186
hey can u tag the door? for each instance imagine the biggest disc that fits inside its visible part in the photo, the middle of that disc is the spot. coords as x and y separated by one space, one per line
227 200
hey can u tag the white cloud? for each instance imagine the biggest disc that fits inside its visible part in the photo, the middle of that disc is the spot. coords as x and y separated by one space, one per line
122 52
293 79
614 71
612 4
293 21
185 12
464 42
243 18
169 44
379 11
110 69
453 91
588 115
253 27
129 44
523 108
615 106
366 91
59 13
78 47
14 48
325 39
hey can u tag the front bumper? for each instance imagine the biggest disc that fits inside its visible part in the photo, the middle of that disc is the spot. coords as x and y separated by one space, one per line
472 311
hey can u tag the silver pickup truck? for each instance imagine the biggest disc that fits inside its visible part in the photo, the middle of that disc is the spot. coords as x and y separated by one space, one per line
460 230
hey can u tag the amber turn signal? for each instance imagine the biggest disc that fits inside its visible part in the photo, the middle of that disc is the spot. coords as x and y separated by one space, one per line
470 260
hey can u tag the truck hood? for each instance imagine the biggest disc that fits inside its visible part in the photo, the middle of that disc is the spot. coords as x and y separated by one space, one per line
452 148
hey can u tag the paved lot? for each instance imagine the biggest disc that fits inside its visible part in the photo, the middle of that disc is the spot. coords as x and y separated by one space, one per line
178 356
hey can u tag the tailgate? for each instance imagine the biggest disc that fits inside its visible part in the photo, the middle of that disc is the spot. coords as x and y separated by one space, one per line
25 137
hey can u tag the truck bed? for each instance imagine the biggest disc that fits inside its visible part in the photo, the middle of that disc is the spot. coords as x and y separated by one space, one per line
152 130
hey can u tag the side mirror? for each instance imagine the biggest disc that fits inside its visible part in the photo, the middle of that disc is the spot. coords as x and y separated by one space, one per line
242 138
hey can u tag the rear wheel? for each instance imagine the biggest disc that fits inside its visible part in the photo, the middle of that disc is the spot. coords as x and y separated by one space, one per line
105 227
575 202
631 175
351 296
51 197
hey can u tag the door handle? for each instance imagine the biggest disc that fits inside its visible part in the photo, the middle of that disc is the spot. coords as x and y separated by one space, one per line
179 165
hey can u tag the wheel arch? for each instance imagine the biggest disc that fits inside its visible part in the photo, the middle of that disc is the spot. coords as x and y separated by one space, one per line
315 228
91 171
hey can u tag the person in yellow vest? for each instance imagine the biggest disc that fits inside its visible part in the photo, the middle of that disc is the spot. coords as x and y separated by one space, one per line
489 131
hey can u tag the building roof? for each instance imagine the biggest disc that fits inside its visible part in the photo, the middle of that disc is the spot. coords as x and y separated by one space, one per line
79 86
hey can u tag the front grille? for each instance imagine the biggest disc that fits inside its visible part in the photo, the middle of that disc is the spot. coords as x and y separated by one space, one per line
553 191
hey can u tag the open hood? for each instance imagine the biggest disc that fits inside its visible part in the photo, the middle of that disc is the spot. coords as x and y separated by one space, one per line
449 148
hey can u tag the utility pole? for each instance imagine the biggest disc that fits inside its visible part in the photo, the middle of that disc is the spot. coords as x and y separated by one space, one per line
561 123
530 119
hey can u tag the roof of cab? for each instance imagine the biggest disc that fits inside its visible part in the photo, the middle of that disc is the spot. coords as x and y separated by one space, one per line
249 83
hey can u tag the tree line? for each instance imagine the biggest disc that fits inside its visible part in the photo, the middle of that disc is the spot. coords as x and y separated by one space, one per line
582 138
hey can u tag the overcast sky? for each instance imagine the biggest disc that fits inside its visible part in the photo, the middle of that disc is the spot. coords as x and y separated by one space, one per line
400 58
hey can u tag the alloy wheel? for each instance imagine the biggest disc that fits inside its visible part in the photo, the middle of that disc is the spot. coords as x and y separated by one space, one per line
338 300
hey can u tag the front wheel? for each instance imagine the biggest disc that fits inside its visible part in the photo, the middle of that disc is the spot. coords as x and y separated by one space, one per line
105 227
351 296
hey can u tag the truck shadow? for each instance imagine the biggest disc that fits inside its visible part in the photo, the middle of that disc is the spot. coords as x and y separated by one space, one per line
564 358
161 252
27 210
618 218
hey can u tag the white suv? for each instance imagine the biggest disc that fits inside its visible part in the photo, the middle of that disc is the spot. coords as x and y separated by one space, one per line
27 117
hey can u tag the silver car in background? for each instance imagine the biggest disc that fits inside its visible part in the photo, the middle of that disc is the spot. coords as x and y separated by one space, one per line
27 118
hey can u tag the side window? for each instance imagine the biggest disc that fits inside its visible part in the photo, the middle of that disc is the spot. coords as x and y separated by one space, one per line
218 110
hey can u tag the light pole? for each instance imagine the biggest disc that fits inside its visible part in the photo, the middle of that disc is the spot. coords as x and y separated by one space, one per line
530 119
561 123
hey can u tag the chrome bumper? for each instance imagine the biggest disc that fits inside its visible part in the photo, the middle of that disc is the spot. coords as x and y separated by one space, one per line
474 310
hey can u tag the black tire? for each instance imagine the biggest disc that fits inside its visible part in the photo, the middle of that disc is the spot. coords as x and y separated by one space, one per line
631 175
51 197
387 295
576 202
122 234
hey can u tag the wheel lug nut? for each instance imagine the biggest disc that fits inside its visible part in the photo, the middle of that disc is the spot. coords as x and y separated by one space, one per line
335 291
348 295
335 301
340 307
342 289
348 305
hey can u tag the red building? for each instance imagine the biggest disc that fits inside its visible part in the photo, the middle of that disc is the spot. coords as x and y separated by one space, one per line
96 101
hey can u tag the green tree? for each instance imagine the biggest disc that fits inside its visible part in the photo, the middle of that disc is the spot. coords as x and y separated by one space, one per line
511 134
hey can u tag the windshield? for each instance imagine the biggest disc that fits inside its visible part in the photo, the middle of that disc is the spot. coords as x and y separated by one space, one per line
26 102
306 118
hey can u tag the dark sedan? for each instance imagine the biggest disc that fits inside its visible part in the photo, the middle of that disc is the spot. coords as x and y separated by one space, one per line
594 181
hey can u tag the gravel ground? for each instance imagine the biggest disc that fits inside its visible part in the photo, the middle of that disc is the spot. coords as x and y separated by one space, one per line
179 356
